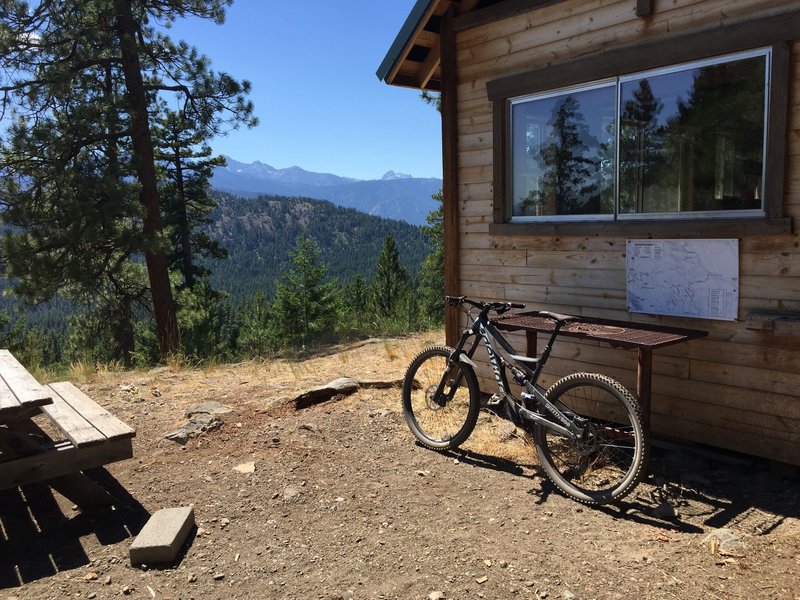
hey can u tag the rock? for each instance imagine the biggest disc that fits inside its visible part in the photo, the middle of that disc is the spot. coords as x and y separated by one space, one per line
483 579
246 468
291 493
343 386
725 542
218 576
210 408
436 595
312 427
380 385
567 595
507 433
199 423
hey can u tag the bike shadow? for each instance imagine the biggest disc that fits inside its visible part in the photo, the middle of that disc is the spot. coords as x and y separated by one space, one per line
486 461
686 490
39 539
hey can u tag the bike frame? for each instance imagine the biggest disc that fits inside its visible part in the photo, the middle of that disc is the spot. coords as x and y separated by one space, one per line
482 330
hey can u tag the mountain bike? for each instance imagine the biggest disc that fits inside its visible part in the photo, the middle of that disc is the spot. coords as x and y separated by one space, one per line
587 428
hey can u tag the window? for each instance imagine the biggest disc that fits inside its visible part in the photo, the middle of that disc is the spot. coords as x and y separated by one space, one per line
682 142
563 153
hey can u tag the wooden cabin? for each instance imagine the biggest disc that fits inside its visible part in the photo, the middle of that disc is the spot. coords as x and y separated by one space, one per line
574 131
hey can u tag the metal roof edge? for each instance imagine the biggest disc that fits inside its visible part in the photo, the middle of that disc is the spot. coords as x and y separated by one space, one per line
410 26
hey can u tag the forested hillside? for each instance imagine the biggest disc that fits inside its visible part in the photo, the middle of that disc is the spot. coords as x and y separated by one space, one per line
258 234
114 243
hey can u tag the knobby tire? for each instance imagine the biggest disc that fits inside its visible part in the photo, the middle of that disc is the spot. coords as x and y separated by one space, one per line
610 458
446 422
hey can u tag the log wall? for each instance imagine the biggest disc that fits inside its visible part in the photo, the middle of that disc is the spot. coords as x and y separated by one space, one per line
739 388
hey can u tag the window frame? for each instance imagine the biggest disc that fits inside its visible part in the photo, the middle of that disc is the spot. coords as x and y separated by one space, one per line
774 32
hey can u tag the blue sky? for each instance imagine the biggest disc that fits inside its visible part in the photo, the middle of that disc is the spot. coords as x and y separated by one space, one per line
312 64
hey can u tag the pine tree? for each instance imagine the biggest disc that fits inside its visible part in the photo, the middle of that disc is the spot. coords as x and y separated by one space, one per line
431 276
80 78
257 336
390 278
305 308
199 320
186 161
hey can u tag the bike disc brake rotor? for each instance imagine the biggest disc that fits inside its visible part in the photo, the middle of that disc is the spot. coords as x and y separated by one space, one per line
433 402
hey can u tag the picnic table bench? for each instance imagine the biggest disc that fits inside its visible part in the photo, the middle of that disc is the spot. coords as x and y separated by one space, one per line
643 337
73 434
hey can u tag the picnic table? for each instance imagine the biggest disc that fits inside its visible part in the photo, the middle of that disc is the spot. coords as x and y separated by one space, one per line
643 337
72 434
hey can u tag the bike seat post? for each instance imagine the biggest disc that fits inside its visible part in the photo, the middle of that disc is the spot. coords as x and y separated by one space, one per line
550 343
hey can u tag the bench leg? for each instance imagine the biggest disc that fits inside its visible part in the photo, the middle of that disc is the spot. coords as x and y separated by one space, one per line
81 490
644 378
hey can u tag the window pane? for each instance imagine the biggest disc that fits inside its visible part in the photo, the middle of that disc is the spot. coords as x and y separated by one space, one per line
563 154
693 140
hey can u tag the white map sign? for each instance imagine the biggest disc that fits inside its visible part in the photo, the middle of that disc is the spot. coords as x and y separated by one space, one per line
685 278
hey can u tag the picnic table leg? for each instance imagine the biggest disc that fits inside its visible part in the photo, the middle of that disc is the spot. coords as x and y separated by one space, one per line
75 487
644 382
78 488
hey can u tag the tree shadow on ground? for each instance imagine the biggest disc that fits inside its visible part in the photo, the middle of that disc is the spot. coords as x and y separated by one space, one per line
38 540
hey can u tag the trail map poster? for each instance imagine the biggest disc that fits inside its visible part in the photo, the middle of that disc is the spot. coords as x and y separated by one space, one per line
684 278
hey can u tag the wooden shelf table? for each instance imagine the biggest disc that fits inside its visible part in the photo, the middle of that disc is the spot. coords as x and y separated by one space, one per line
643 337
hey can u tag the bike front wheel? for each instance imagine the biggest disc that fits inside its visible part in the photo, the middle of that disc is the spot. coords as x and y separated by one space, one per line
444 419
608 459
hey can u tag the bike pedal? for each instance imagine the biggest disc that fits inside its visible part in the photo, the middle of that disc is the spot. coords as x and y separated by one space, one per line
495 400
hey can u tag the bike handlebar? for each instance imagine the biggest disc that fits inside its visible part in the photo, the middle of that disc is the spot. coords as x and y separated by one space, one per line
499 307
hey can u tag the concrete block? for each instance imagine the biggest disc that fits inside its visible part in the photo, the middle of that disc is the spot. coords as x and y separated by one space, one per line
162 536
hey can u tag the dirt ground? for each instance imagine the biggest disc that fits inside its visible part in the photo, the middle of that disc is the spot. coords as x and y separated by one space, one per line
342 503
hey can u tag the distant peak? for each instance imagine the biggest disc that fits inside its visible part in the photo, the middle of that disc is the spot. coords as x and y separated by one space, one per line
395 175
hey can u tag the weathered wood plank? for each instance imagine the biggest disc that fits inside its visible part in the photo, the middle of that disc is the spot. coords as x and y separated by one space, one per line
75 427
758 444
493 258
596 277
21 384
610 27
62 459
109 426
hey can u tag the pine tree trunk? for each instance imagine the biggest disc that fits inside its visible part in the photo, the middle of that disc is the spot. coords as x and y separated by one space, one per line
155 258
183 224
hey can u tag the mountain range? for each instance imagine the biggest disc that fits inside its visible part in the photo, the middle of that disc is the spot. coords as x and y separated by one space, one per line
394 196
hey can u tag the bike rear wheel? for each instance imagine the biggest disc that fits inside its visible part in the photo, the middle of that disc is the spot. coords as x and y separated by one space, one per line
609 458
444 421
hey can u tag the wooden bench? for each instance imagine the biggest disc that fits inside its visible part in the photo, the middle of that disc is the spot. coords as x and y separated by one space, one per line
77 434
